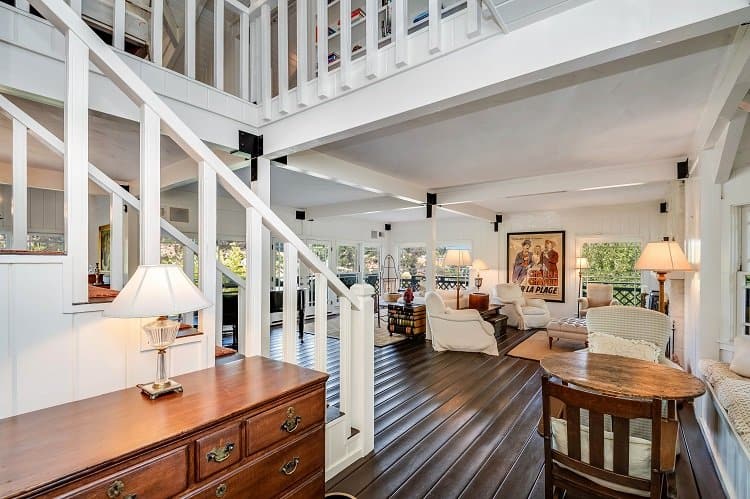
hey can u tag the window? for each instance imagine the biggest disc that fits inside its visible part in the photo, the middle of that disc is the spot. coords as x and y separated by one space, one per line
3 243
46 242
412 263
347 261
743 275
446 276
233 255
612 263
372 266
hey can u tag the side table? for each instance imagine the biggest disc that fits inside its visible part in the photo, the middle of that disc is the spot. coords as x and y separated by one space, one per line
479 301
409 320
499 321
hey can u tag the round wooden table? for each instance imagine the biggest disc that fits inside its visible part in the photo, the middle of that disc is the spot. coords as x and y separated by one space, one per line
623 377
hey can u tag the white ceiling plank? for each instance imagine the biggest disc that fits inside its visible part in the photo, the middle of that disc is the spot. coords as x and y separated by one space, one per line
728 144
358 207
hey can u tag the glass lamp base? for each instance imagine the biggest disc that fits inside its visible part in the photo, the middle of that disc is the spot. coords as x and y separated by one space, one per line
154 390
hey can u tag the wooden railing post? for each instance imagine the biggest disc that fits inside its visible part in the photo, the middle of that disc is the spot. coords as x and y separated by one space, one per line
302 41
346 385
256 61
207 256
116 230
245 55
321 323
435 25
254 293
345 43
118 25
362 409
219 44
400 32
283 55
150 186
371 38
157 27
291 266
322 52
473 18
76 163
20 186
190 33
265 59
262 188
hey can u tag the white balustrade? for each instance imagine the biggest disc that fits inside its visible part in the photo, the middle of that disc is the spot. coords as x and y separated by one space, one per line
345 43
302 45
283 53
321 38
400 31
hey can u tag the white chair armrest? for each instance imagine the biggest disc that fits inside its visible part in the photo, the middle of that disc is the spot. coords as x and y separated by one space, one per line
488 328
536 302
467 313
584 302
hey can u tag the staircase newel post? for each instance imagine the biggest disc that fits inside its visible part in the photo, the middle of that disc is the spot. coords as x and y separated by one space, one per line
362 340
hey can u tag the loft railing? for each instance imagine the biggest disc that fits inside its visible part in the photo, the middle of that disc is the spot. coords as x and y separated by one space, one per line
627 291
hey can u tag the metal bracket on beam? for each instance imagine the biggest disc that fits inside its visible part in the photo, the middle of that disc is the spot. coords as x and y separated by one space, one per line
431 201
250 145
497 222
254 170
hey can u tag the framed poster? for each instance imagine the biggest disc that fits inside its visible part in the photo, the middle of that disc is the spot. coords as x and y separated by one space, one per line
104 247
536 262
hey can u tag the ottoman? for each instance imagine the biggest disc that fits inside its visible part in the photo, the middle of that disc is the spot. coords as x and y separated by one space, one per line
571 328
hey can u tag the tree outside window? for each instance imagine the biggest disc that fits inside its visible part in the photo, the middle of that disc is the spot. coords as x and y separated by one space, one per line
347 261
612 263
445 275
372 260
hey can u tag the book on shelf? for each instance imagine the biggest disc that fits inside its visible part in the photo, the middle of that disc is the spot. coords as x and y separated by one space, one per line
420 16
332 57
357 14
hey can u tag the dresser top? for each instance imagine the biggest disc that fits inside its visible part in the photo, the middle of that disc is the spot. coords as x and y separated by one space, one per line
43 446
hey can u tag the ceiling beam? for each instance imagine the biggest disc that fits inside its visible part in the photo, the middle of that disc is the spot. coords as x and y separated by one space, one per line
359 207
730 88
470 210
643 173
728 144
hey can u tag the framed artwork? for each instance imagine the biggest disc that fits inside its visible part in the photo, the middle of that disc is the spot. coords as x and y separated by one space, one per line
536 262
105 240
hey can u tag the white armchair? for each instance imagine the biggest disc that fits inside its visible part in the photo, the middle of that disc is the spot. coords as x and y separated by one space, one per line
458 330
523 313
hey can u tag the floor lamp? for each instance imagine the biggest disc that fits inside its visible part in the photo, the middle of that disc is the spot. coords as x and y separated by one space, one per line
663 257
457 258
582 263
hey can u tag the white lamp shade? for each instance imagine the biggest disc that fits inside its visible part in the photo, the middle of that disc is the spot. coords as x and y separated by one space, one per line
457 257
663 256
480 264
582 262
156 290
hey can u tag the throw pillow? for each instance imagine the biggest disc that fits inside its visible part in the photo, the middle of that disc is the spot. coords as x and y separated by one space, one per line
614 345
741 359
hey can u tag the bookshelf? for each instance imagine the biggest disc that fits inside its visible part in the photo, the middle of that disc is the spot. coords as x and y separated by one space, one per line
409 320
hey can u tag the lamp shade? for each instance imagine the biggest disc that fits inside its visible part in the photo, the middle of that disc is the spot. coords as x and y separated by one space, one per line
156 290
663 256
457 257
582 263
480 264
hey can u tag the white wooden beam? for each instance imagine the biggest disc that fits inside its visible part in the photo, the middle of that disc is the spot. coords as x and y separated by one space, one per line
435 25
245 56
239 7
400 31
118 28
473 18
262 188
207 256
322 52
358 207
265 59
254 293
76 6
23 5
496 16
76 159
219 44
345 43
728 145
283 55
116 241
302 53
291 268
255 61
372 34
190 34
157 27
150 188
19 201
470 210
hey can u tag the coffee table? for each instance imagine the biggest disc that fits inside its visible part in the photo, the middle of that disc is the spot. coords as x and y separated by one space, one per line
499 321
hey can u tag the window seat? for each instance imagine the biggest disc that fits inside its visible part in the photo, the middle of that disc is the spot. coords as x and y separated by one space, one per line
732 392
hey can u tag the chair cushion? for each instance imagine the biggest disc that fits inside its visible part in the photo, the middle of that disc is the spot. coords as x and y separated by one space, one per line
741 359
533 311
639 455
569 324
614 345
732 392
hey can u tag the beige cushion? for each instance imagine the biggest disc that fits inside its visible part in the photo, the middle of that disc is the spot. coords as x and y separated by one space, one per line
569 324
614 345
732 392
599 295
533 311
741 359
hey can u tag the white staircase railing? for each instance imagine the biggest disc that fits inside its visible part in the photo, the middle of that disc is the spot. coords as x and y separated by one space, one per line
356 336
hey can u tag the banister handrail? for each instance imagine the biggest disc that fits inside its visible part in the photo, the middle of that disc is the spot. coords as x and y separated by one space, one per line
64 18
104 181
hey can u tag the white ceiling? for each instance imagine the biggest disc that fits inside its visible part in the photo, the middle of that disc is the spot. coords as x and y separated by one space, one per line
634 110
303 191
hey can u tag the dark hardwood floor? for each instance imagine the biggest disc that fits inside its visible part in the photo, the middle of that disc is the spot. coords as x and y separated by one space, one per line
457 424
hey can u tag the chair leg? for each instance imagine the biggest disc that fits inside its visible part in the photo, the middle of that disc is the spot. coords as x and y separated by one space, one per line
550 342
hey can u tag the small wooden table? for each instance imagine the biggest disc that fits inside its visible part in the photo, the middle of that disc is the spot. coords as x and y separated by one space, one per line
623 377
409 320
499 321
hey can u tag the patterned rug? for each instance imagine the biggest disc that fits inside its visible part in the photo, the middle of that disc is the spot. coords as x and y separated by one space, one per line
536 347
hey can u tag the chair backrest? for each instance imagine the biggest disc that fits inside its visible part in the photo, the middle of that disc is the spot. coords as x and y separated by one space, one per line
509 292
632 323
434 303
599 295
621 411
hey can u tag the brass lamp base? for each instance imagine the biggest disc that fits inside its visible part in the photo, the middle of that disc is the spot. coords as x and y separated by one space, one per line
154 390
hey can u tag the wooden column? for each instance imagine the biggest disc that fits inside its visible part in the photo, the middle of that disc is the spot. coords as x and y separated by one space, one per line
346 385
262 187
190 29
291 267
76 164
19 201
362 379
283 55
219 44
157 27
302 49
255 289
323 78
117 234
207 256
118 22
150 186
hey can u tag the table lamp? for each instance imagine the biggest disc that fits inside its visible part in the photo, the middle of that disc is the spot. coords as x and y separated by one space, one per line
479 265
158 291
582 263
663 257
458 258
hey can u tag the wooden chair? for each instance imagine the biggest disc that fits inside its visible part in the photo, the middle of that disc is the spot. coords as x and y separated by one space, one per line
595 477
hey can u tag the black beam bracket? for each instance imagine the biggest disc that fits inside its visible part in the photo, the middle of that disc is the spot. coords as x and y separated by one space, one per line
497 222
431 201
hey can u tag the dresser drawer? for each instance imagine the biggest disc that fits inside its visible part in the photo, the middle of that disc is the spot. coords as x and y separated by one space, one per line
237 484
217 451
285 421
159 477
314 488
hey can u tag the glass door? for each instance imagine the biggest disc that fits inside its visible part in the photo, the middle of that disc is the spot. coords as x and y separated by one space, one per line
323 250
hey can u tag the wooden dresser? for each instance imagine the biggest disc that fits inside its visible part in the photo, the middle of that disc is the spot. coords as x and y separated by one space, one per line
251 428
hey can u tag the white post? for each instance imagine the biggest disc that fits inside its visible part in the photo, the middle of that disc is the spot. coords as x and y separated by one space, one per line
255 61
150 185
76 6
283 55
19 206
321 323
76 163
245 55
262 187
265 59
219 44
190 29
289 341
362 401
22 5
372 35
207 255
302 35
188 266
117 234
323 83
219 309
241 317
345 43
118 22
473 18
436 25
346 385
254 292
429 273
157 26
400 31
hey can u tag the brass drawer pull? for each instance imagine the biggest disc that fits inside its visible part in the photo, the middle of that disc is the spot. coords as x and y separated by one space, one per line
290 467
117 488
219 454
292 421
221 490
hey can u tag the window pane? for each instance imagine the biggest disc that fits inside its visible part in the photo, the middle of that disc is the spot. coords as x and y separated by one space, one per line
372 260
446 276
2 241
233 255
46 242
612 263
347 259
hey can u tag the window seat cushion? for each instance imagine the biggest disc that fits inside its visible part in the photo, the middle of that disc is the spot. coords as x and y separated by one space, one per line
733 394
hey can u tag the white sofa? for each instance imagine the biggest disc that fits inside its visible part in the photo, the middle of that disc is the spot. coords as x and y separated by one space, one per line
458 330
523 313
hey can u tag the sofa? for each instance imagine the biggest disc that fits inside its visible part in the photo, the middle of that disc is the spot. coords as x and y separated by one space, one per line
523 313
458 330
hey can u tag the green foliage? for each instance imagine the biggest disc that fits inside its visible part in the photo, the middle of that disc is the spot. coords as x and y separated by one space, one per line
612 261
412 260
347 259
372 260
233 255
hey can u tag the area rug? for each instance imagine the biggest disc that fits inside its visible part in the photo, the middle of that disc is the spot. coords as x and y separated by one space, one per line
223 351
536 347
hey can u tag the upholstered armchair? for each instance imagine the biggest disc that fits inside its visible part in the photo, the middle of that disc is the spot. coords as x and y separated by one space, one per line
523 313
458 330
597 295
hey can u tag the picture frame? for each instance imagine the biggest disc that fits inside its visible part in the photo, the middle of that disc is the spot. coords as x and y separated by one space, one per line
105 245
536 262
